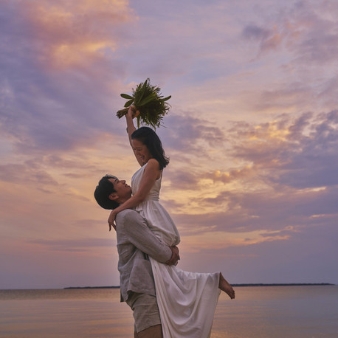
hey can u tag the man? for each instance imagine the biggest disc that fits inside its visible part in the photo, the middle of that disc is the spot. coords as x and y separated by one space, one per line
134 242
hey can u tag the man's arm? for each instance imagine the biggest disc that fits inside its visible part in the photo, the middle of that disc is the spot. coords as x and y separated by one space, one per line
135 228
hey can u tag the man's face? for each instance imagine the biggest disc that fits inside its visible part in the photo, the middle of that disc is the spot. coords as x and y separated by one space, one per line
123 190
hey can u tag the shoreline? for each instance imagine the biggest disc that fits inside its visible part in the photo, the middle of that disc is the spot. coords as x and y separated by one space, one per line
234 285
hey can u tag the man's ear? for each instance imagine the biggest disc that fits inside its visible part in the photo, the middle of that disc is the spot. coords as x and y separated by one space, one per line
113 196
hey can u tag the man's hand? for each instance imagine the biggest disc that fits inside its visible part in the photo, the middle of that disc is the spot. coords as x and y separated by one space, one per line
175 256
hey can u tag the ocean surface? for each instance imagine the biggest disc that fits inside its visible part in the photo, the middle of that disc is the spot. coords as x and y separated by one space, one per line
257 312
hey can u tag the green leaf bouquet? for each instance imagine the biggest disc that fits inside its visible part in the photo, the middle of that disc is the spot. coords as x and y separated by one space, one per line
148 100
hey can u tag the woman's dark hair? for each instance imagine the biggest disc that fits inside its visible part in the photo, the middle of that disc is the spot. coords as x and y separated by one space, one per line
150 139
102 192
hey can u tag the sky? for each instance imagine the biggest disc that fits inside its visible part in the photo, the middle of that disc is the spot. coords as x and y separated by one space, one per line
252 135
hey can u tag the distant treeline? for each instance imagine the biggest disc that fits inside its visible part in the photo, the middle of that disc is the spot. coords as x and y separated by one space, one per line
92 287
236 285
282 284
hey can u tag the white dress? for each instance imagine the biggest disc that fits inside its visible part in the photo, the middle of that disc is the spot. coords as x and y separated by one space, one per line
186 300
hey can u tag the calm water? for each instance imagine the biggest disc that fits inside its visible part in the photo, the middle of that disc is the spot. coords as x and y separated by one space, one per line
258 312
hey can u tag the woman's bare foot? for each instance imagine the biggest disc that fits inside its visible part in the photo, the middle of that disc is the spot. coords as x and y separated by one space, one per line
226 287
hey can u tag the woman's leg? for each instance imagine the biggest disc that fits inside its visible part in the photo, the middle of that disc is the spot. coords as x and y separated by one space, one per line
151 332
226 287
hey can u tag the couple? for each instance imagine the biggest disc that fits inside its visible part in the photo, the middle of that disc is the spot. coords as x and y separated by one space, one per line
184 303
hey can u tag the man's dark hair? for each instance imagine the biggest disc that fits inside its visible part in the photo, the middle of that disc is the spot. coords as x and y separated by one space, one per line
150 139
102 192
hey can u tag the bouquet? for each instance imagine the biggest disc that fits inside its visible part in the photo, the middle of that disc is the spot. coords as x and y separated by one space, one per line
148 101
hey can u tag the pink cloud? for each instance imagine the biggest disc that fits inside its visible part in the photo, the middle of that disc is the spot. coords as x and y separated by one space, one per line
74 33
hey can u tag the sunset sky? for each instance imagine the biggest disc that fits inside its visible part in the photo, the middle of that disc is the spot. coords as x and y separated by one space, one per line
252 134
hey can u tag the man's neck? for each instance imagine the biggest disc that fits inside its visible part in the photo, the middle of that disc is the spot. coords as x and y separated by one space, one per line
122 200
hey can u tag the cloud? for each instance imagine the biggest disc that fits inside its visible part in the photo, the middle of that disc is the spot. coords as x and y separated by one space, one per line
298 152
286 185
318 43
267 38
249 193
76 245
285 179
71 33
300 40
232 174
307 29
58 76
28 173
285 97
192 135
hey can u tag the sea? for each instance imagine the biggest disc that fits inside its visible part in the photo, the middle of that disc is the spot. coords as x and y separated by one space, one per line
309 311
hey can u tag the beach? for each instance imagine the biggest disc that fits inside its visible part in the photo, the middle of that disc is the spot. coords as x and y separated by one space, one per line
257 311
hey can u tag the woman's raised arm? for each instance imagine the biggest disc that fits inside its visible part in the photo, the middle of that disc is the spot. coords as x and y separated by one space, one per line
132 113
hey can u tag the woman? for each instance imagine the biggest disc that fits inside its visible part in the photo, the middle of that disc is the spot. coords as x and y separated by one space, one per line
186 300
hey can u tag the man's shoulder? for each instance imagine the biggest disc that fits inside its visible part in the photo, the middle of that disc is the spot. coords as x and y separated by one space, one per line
128 219
126 211
126 215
